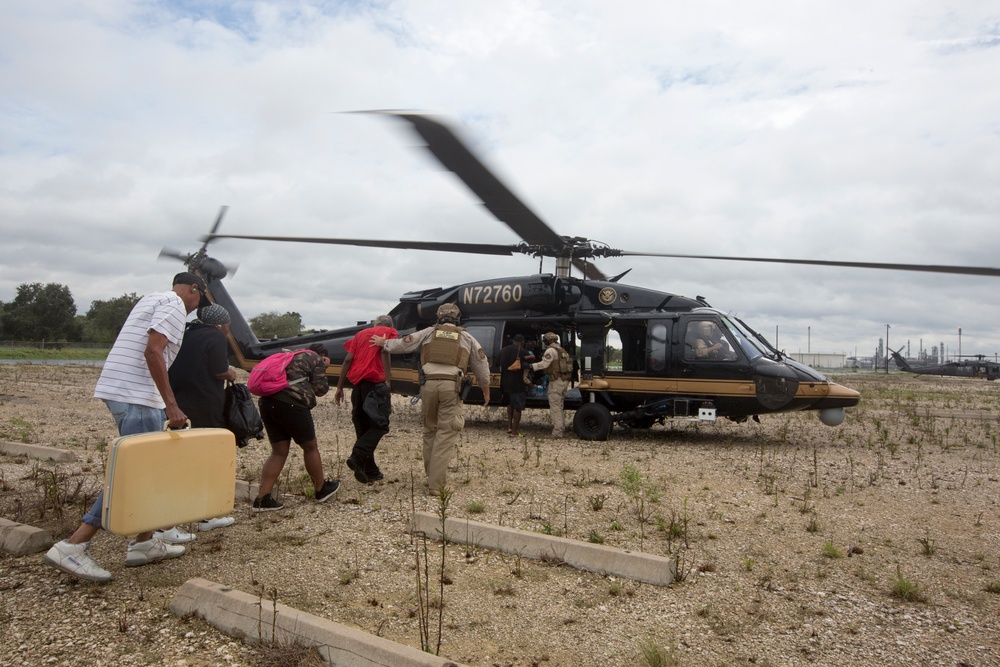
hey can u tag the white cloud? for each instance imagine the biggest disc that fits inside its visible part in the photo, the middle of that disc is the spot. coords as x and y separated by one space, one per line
841 131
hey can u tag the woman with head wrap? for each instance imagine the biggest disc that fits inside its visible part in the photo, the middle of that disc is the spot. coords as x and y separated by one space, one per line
198 379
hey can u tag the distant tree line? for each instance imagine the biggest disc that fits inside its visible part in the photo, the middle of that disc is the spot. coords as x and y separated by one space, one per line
48 313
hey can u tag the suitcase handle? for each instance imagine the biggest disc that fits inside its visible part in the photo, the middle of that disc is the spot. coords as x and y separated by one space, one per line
187 425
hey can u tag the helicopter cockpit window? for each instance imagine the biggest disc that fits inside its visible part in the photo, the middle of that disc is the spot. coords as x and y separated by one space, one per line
752 347
705 341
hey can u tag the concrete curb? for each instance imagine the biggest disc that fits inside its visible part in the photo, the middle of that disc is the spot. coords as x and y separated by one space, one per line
252 619
20 539
36 451
647 568
246 491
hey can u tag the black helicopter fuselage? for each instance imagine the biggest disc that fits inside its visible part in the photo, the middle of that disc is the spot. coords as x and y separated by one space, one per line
643 355
634 347
968 368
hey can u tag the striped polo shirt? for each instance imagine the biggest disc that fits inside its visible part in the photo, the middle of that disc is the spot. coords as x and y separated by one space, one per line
126 376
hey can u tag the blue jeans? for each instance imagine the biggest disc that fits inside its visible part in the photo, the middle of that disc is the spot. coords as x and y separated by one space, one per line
130 419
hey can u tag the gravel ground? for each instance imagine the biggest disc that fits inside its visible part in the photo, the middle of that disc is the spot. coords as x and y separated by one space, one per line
875 542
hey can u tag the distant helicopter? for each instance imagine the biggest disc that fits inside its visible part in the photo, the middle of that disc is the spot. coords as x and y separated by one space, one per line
975 366
660 377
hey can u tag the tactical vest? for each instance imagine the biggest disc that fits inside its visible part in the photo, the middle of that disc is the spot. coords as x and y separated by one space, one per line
562 367
444 347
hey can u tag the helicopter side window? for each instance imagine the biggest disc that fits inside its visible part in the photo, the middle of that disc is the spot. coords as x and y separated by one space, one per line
486 335
633 348
704 341
612 351
658 346
625 348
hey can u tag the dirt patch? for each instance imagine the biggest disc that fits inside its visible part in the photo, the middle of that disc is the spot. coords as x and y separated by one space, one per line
875 542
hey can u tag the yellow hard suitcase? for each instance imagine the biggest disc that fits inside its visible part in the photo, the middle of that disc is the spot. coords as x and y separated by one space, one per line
158 480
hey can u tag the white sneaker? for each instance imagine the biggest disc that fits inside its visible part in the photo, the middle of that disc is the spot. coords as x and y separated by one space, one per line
174 536
218 522
151 551
75 559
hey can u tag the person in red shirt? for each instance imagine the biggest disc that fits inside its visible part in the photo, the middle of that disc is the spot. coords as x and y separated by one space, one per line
371 400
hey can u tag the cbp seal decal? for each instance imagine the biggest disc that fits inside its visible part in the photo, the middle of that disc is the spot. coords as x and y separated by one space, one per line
607 296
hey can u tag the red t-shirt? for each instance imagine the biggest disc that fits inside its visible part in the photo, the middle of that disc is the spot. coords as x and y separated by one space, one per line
367 363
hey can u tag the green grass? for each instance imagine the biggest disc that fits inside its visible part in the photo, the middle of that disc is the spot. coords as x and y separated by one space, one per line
906 590
67 353
831 550
476 507
656 654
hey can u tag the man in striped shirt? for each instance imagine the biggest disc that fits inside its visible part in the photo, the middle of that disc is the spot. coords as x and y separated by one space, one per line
136 388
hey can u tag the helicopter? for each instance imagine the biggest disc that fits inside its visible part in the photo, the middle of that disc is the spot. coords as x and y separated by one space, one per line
976 366
636 351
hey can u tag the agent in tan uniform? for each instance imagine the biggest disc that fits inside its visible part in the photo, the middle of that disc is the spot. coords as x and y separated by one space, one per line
447 352
558 366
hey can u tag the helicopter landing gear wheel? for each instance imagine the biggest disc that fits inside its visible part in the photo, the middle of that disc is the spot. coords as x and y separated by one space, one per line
592 422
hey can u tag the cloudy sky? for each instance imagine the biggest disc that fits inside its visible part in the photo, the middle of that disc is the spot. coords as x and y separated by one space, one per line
832 130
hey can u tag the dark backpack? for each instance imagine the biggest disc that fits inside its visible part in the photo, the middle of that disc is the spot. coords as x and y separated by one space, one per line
241 415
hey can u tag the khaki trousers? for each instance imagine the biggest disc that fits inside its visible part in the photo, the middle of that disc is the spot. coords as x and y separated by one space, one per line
557 397
444 419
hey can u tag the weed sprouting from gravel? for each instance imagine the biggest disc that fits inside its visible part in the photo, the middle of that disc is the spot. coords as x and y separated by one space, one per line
20 430
831 550
927 546
631 480
906 590
423 579
476 507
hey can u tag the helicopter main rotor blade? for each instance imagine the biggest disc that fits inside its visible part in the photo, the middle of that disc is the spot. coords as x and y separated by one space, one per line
926 268
588 269
452 152
172 254
215 227
473 248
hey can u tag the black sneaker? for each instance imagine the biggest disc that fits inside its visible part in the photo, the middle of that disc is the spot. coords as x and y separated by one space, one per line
359 470
375 476
266 504
329 488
